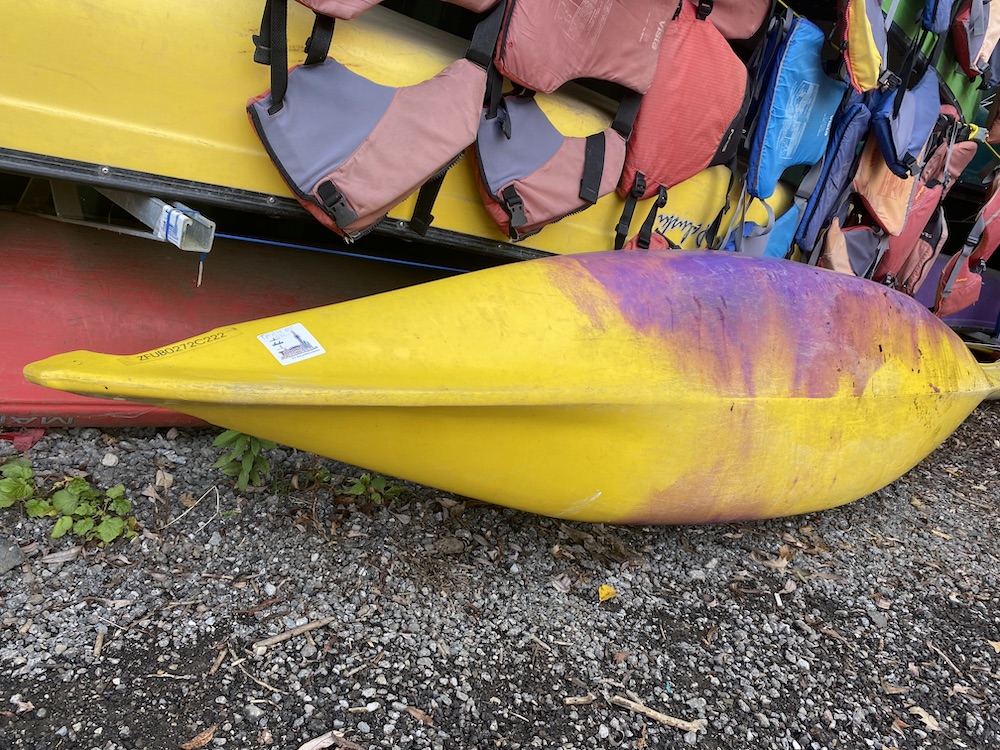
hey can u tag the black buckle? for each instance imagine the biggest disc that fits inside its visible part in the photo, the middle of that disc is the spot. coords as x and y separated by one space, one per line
889 81
704 8
335 204
639 186
261 53
514 207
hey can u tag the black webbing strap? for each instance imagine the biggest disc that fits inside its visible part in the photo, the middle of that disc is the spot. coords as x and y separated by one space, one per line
646 230
272 49
638 188
593 160
422 217
271 46
484 42
318 43
628 108
593 168
484 38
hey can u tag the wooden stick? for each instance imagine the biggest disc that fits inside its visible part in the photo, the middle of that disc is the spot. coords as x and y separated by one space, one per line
670 721
293 632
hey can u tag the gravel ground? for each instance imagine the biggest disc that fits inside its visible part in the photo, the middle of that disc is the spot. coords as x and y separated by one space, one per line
438 622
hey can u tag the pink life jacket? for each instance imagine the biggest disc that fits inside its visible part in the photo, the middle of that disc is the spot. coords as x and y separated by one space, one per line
961 280
679 131
349 165
545 43
736 19
946 162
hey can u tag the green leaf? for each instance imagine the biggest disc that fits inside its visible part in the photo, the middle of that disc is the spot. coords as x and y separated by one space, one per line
243 479
65 501
82 526
121 506
64 524
231 470
16 488
358 488
378 483
85 509
225 459
116 492
36 508
110 528
6 502
226 438
78 486
19 468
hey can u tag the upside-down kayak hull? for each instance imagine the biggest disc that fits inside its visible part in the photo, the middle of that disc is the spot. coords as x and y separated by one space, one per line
620 387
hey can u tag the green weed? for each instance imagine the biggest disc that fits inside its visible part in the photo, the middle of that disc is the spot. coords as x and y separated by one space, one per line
77 507
377 489
243 459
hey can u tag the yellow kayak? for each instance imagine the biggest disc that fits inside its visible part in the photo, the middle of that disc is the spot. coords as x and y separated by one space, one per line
145 97
627 387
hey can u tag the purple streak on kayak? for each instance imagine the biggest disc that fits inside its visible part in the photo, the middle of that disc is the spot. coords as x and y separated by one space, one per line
811 332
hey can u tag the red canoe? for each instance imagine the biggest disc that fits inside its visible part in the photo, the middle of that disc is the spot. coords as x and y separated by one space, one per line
67 287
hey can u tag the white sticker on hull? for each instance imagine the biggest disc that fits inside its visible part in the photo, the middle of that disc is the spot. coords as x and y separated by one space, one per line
291 344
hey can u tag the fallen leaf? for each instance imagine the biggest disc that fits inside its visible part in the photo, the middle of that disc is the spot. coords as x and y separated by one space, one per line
65 555
188 500
151 493
330 739
201 739
621 656
925 717
164 479
422 716
561 583
23 706
893 689
898 725
995 645
606 592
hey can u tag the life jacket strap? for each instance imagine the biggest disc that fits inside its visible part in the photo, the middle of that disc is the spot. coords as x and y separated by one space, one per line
637 191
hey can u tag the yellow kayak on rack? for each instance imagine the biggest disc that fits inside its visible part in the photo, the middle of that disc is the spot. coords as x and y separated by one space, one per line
155 95
626 387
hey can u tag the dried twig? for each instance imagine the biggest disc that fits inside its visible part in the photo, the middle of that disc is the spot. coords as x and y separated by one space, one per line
293 632
670 721
579 700
195 505
261 682
944 656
